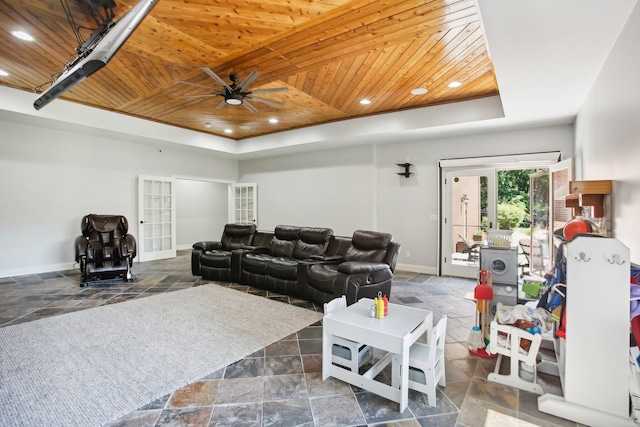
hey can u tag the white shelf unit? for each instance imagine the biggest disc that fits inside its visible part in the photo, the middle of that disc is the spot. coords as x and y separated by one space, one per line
594 358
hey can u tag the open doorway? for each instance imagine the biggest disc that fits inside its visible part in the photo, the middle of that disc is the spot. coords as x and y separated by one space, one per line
487 193
523 196
202 210
205 206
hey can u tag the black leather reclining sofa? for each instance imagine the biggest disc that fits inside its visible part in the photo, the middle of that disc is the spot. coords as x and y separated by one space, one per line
305 262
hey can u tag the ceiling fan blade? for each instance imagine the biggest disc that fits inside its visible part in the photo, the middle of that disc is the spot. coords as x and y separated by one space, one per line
215 77
199 96
249 106
195 84
222 104
267 101
248 80
271 90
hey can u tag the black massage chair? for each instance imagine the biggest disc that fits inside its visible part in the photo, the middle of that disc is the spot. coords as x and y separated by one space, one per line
105 250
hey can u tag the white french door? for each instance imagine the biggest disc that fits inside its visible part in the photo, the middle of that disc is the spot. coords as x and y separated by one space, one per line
245 208
469 204
157 216
468 209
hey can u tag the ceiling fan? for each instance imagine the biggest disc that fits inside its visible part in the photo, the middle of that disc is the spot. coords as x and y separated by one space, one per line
237 94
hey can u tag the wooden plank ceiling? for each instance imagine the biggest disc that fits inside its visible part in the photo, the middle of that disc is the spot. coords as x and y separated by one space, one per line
329 53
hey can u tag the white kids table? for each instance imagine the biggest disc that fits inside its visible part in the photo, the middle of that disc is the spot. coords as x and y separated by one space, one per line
392 334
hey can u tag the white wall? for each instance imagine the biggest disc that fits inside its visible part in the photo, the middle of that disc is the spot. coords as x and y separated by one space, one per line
50 179
608 134
202 210
358 188
334 189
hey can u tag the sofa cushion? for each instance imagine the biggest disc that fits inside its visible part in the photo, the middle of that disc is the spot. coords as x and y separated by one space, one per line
311 241
255 262
281 248
216 259
282 268
236 236
369 246
321 277
283 241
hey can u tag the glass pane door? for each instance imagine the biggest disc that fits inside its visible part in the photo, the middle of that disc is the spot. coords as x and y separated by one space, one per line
245 209
539 259
561 175
468 210
156 204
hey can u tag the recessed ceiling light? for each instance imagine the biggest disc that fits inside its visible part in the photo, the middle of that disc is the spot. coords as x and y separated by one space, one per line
3 73
453 85
273 120
365 102
228 131
207 125
245 127
22 35
418 91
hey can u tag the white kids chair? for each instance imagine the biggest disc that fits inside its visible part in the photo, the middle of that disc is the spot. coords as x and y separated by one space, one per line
347 353
426 364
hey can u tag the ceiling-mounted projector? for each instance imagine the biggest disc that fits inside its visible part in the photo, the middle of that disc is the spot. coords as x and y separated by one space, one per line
103 44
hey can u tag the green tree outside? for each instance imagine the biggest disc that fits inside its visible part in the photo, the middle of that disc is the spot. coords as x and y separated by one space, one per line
513 198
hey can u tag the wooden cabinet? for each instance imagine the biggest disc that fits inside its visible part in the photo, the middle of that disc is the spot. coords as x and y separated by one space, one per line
588 193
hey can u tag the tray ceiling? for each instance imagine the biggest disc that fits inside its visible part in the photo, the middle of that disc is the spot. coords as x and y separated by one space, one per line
330 54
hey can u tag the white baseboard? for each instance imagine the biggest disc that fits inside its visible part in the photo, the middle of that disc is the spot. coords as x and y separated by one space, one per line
417 268
181 247
35 269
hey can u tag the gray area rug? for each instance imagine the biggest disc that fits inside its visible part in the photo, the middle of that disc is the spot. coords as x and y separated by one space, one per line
93 366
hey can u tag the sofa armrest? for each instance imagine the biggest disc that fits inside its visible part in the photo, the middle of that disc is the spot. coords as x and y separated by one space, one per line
207 245
198 249
327 258
359 267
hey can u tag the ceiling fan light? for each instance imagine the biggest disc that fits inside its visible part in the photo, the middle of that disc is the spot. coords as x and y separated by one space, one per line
233 99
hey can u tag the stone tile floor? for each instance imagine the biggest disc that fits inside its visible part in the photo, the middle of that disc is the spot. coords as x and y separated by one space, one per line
281 385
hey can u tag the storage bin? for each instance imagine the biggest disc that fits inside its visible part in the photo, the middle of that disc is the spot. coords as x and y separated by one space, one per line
499 238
